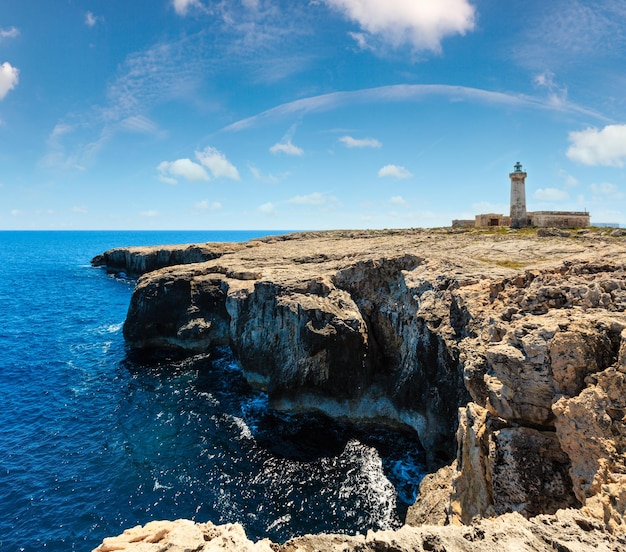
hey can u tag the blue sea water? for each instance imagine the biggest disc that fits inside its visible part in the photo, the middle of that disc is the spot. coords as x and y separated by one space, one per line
94 440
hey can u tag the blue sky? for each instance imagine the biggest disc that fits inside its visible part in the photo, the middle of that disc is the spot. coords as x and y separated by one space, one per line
270 114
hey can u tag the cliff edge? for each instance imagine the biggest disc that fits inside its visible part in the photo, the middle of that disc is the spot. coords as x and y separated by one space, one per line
504 351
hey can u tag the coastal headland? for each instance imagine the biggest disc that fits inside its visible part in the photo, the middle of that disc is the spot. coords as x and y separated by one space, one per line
504 350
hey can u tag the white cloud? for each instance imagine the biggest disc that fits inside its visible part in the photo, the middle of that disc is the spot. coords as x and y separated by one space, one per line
9 77
570 181
91 19
420 23
550 194
350 142
316 198
17 212
267 179
185 168
594 147
398 200
268 208
557 95
9 33
287 148
150 213
205 205
606 190
216 162
181 7
395 171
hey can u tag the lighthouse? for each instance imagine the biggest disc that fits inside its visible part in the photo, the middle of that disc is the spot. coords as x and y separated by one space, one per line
519 216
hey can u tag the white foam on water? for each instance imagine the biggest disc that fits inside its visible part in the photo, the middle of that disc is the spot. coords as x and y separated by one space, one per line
244 430
158 485
368 480
280 522
108 328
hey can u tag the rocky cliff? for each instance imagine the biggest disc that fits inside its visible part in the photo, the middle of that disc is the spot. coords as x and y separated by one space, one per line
505 352
135 261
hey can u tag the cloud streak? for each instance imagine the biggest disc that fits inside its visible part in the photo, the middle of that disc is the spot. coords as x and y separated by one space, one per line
316 199
288 148
12 32
404 93
351 142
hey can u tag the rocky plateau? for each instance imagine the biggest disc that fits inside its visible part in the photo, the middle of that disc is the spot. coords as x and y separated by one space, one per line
505 352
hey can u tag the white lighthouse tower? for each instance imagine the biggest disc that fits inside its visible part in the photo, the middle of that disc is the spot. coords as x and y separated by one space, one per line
519 216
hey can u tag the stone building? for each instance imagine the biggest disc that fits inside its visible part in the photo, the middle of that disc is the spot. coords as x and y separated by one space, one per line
520 218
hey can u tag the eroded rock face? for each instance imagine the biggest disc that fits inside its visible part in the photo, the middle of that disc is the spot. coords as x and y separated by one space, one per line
520 370
528 444
591 428
135 261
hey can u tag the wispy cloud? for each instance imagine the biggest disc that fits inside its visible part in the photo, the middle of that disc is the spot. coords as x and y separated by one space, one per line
593 146
216 162
92 20
422 25
57 156
150 213
606 191
286 145
404 93
266 178
315 199
351 142
11 32
140 124
550 194
557 95
268 209
395 171
9 77
206 205
398 200
182 7
563 33
288 148
169 171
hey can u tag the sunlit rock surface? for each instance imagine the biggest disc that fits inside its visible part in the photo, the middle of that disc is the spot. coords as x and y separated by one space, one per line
567 531
505 352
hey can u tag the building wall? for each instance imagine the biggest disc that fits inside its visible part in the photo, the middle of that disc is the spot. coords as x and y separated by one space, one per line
492 219
463 223
560 219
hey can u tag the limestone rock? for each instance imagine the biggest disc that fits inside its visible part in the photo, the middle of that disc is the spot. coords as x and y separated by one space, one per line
135 261
592 430
432 506
509 350
182 536
566 531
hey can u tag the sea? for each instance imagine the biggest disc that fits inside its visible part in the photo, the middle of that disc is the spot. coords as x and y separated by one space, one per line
95 438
